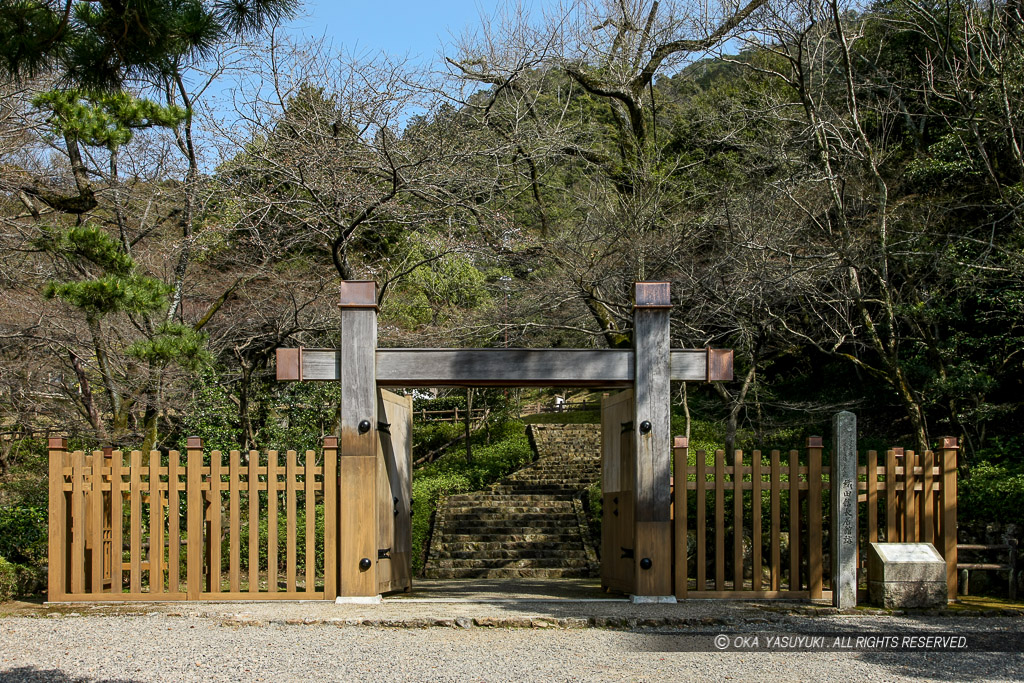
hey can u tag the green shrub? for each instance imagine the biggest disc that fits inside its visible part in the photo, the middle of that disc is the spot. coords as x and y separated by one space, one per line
427 489
282 538
31 579
449 402
993 493
583 417
23 534
593 504
8 580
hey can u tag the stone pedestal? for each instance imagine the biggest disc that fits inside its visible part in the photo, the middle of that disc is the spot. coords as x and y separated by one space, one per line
906 575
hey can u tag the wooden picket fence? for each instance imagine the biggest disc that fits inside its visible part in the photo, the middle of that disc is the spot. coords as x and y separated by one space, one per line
910 497
779 506
183 525
796 509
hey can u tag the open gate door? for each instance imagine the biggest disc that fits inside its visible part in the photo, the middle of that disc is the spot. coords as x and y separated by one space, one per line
618 569
394 492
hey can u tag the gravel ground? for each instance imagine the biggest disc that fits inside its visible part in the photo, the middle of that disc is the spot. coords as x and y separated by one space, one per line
214 644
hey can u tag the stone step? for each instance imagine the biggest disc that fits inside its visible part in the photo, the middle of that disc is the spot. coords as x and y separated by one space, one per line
519 536
504 499
574 483
512 507
500 525
555 473
525 525
522 563
562 492
529 573
488 546
521 515
500 556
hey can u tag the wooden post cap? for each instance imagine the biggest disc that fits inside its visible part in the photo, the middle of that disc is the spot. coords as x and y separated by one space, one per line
652 295
680 442
358 294
814 442
719 364
194 442
898 452
289 364
108 450
330 442
57 443
949 443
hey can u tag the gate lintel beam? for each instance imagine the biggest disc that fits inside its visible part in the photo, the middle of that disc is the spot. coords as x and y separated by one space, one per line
609 368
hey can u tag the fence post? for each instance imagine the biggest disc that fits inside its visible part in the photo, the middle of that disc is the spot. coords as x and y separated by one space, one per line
194 523
949 449
844 510
814 549
330 479
680 447
57 519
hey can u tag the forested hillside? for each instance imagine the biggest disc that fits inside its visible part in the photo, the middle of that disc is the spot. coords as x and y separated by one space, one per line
834 190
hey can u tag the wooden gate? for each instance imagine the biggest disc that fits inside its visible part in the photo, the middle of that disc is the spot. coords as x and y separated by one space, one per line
618 569
394 492
345 515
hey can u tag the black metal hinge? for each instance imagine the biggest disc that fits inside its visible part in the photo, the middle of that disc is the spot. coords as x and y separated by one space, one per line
385 554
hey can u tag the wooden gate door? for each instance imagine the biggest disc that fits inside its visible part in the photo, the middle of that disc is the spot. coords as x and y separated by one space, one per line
618 570
394 492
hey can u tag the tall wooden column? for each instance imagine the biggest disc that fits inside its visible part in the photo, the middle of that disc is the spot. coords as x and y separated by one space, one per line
357 460
652 444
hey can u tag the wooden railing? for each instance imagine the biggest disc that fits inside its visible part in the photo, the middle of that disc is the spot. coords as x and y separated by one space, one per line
907 498
762 498
451 415
910 498
565 407
157 528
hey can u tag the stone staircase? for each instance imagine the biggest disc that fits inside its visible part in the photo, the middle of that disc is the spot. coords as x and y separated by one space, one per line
529 524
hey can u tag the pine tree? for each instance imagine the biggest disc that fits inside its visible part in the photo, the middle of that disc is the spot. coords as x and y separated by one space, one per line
104 44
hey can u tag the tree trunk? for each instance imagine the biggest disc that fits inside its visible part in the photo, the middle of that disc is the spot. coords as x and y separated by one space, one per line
469 414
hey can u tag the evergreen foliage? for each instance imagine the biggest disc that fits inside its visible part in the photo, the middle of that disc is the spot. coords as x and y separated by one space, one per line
102 44
104 119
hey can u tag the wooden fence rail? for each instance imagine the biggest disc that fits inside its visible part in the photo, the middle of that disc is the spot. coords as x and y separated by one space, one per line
910 498
755 525
450 415
134 527
765 510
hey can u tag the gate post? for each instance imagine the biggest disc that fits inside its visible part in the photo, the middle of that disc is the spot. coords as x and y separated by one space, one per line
58 525
357 461
652 444
844 510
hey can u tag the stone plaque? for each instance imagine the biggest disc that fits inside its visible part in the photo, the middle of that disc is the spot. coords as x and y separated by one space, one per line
906 575
908 552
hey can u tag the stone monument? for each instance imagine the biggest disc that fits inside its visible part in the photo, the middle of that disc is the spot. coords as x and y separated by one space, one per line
906 575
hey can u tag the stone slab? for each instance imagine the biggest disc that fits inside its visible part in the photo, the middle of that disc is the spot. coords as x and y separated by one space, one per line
906 575
358 600
907 594
888 562
653 599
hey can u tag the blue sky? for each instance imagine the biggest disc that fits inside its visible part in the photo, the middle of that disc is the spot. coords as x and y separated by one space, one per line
416 28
